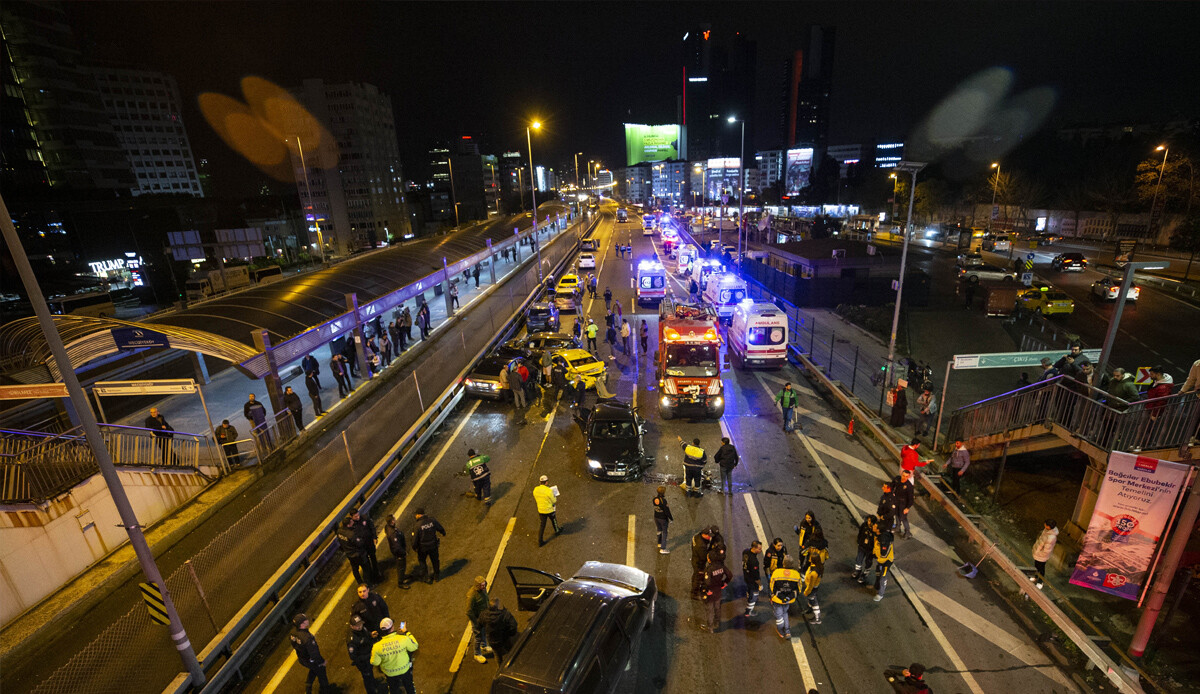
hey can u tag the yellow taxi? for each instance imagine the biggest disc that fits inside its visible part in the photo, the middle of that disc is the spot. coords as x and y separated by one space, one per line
1046 301
579 362
567 284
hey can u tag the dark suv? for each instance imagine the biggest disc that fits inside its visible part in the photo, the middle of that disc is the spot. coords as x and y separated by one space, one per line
542 317
585 630
615 450
1069 262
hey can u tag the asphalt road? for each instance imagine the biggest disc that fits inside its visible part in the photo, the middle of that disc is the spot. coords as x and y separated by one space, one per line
929 614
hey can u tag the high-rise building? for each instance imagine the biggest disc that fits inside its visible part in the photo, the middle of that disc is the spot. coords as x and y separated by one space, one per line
491 181
468 190
635 183
806 92
358 200
671 180
719 72
59 106
770 167
144 109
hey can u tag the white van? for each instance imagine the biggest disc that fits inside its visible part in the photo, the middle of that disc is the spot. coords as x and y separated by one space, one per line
723 293
758 335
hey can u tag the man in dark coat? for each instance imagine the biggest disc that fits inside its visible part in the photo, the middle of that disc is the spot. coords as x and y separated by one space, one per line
291 400
162 433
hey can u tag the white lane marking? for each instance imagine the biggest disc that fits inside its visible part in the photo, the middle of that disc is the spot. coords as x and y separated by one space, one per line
802 411
491 576
802 388
344 588
630 540
856 463
806 674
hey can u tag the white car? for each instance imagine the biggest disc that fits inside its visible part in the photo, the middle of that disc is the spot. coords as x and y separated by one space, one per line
587 261
975 273
1109 289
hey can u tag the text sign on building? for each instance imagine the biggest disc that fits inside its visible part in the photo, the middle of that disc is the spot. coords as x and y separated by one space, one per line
167 386
1000 360
138 338
34 391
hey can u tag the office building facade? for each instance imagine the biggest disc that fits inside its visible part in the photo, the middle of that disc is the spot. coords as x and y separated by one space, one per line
807 90
720 73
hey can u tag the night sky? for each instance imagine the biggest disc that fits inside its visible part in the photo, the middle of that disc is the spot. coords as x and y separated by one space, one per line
584 68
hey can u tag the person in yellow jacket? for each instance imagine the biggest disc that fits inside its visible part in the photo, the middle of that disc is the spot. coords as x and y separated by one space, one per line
785 588
547 503
814 570
392 655
885 556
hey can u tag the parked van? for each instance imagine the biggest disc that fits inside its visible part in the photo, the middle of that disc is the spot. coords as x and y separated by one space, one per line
723 293
758 335
584 633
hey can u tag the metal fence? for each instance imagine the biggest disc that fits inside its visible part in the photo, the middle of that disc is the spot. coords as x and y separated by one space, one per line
274 433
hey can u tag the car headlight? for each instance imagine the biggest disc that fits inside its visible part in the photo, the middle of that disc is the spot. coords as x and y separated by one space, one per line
718 401
593 464
666 402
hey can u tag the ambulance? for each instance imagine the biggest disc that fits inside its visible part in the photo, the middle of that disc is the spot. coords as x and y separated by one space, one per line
703 268
758 335
651 282
684 259
724 291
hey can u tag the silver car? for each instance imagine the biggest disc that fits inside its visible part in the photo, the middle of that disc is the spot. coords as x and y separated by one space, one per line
975 273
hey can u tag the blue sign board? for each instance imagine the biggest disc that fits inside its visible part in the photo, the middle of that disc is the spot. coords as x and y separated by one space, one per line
138 338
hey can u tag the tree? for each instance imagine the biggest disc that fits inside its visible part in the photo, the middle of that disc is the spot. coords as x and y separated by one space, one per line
1114 195
932 197
1177 186
1027 194
1075 198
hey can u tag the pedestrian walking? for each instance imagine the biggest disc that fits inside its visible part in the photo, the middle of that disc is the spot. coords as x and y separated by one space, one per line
393 655
372 608
338 369
358 647
291 400
477 605
716 577
314 393
926 409
867 530
785 589
425 541
254 412
364 527
787 400
957 464
645 335
774 557
617 248
814 570
454 295
607 298
662 519
909 680
481 476
399 549
885 556
351 542
501 628
625 333
227 436
309 364
592 331
902 489
752 575
694 459
546 498
308 654
701 546
162 433
726 458
1043 548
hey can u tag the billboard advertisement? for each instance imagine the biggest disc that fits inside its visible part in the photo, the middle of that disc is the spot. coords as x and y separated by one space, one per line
799 168
1136 501
650 143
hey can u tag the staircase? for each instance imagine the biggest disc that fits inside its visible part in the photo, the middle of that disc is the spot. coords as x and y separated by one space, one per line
1063 411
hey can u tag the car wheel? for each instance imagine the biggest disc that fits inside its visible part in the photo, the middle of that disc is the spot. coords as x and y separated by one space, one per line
973 279
1007 278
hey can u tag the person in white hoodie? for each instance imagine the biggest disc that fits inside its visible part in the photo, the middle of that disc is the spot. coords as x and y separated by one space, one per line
1043 547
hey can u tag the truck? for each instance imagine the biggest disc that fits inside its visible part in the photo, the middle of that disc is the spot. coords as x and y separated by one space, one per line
758 335
205 283
724 291
622 215
651 282
687 362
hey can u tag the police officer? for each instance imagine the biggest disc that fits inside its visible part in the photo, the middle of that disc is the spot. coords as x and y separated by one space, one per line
785 588
752 575
351 543
358 646
866 546
694 458
365 529
308 653
481 476
885 556
716 577
662 519
700 550
814 570
902 489
425 542
399 547
392 654
888 506
372 608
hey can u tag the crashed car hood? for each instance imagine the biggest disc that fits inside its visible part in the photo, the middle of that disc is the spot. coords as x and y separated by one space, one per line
613 450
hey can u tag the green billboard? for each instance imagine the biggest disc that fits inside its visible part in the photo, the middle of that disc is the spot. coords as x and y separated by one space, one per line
650 143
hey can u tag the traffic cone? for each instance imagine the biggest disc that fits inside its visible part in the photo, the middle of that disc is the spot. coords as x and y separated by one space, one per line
850 427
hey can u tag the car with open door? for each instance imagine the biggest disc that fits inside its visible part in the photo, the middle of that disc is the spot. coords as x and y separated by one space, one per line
585 631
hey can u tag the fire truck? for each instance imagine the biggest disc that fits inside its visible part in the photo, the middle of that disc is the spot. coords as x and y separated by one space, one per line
688 360
651 282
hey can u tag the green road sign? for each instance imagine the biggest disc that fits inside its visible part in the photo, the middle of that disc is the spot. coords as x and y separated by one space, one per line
1001 360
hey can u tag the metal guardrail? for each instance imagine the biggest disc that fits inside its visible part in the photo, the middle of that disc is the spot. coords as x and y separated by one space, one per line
1089 414
276 432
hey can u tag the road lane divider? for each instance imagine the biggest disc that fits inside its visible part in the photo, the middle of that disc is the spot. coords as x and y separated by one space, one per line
631 541
456 663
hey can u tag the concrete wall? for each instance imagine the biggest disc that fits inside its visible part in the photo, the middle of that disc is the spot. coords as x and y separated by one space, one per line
43 547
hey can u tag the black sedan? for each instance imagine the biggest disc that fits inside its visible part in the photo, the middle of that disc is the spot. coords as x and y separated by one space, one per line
615 447
484 379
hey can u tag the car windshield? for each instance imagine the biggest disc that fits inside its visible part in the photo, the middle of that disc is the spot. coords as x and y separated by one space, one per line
1056 296
539 312
692 355
613 430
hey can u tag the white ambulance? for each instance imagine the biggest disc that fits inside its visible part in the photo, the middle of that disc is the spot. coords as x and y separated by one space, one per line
724 291
758 335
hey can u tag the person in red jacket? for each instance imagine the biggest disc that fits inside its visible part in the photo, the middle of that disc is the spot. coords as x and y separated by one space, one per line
1161 388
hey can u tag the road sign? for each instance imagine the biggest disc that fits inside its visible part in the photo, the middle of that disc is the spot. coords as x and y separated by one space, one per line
870 249
137 338
1027 279
167 386
1001 360
1028 256
34 391
153 598
895 285
1143 377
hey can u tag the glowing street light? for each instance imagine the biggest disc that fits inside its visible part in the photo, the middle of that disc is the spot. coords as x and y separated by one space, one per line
536 125
995 183
741 185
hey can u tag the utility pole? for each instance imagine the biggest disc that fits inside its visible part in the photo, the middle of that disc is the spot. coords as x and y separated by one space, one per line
910 167
87 419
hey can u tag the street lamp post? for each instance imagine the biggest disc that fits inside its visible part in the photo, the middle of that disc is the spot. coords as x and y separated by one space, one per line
911 167
521 185
895 187
495 188
1154 200
453 196
995 184
533 191
741 186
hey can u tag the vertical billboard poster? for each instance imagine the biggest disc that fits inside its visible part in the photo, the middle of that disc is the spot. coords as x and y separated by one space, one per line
650 143
1135 503
799 168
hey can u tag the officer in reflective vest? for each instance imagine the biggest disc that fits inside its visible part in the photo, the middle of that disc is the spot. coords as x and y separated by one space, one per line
785 588
694 459
481 476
